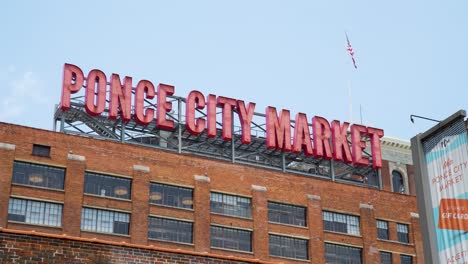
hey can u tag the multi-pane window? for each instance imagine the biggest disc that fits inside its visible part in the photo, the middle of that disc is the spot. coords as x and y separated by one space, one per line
230 205
170 195
385 257
404 259
382 229
402 231
230 238
286 214
342 254
41 150
288 247
38 175
35 212
108 186
104 221
170 230
342 223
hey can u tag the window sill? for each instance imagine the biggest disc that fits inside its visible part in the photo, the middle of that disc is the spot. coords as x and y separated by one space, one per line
396 242
339 233
233 250
281 224
103 233
172 242
294 259
233 216
31 224
37 187
108 197
172 207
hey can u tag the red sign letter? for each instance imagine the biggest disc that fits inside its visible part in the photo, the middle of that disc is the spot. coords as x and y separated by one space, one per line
357 131
302 135
141 116
322 133
375 134
340 142
211 113
92 106
245 117
195 99
227 104
278 134
72 82
120 96
164 106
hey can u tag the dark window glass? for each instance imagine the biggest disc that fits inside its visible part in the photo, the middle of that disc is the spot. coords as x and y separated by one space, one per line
107 186
288 247
342 223
170 195
170 230
397 182
41 150
382 229
402 231
230 238
338 254
38 175
104 221
230 205
385 258
406 259
286 214
35 212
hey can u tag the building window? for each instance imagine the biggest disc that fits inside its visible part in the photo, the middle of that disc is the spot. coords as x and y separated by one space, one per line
230 205
230 238
35 212
107 186
397 182
170 230
38 175
41 150
342 254
286 214
170 195
404 259
343 223
402 231
382 229
104 221
288 247
385 257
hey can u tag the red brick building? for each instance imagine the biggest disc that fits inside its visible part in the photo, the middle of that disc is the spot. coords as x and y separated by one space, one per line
79 199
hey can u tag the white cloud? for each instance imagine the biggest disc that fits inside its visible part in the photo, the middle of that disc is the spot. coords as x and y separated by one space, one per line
20 94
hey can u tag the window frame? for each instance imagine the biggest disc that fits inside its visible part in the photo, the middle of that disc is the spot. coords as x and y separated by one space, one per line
294 247
328 245
94 180
388 254
403 237
176 198
231 240
293 217
29 207
221 205
337 223
381 230
24 175
97 215
407 257
39 150
178 221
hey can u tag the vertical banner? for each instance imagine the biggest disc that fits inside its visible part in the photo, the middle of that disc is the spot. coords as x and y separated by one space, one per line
444 174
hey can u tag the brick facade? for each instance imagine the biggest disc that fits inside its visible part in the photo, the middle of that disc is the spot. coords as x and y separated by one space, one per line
79 154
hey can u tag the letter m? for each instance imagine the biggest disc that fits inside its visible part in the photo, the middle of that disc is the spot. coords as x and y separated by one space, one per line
278 130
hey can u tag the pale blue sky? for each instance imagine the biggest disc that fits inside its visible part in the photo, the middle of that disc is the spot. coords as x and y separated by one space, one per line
412 55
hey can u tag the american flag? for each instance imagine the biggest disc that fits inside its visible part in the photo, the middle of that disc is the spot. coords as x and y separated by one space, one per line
351 51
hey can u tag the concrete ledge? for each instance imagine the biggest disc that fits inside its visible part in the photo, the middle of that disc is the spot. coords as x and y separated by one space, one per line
202 178
366 206
141 168
76 157
7 146
414 215
259 188
313 197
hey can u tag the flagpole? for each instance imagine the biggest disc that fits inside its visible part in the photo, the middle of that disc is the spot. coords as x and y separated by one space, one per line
350 99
